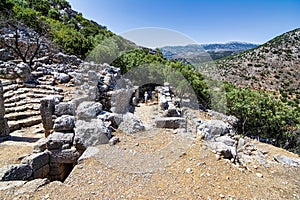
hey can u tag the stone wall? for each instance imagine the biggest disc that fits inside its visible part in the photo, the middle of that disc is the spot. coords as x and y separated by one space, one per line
4 129
73 126
172 116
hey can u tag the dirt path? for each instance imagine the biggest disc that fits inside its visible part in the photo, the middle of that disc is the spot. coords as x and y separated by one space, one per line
147 114
19 144
195 174
158 164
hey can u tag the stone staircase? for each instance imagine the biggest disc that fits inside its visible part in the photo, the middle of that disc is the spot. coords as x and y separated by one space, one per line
22 102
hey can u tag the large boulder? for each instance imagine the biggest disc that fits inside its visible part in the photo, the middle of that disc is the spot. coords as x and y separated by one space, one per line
172 112
222 149
64 123
22 70
91 133
39 163
212 128
64 156
15 172
59 140
36 160
120 100
231 120
287 160
62 77
226 140
88 110
114 118
40 146
131 124
65 108
170 122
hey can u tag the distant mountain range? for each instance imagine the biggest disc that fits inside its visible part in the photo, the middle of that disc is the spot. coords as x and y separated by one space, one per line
205 52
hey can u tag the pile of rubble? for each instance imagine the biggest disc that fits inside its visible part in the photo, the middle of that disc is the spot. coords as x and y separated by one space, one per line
220 136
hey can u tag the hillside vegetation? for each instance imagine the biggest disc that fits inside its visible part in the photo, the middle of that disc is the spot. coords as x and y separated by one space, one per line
65 27
273 66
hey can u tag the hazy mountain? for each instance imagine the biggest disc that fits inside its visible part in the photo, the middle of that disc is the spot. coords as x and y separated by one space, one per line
205 52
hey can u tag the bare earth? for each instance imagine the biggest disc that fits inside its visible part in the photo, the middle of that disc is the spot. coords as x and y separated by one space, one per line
159 164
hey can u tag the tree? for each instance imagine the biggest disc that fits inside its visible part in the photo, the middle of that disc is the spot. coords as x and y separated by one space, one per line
21 41
261 115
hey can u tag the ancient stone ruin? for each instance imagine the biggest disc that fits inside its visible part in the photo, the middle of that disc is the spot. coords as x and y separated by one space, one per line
4 129
75 120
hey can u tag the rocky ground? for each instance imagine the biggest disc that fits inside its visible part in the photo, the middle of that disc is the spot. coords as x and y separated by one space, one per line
157 164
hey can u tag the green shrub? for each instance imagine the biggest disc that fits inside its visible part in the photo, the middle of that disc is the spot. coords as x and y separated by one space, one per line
54 14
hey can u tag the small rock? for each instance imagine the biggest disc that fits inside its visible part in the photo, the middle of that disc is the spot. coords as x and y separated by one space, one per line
218 157
264 152
222 196
114 140
182 154
255 167
189 171
137 144
259 175
201 163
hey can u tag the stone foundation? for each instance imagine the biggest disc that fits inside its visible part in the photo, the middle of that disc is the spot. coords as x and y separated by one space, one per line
4 129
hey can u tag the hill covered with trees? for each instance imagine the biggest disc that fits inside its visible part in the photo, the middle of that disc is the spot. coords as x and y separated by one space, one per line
67 28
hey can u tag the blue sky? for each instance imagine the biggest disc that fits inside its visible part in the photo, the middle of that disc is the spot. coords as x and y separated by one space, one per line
255 21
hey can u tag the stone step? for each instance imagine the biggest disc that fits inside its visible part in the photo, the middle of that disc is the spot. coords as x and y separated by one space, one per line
21 115
14 104
23 123
49 87
33 100
6 82
40 93
11 87
35 96
43 91
8 94
24 99
49 83
16 98
22 108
